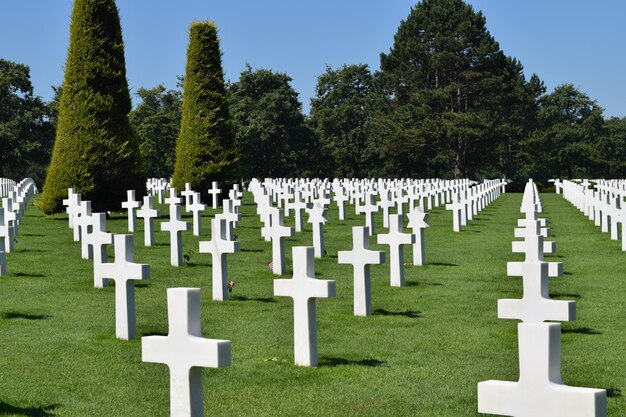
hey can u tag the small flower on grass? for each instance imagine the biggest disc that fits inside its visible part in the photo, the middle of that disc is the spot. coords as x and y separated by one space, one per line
231 284
271 266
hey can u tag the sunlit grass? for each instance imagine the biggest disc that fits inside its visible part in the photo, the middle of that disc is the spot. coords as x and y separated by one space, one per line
421 353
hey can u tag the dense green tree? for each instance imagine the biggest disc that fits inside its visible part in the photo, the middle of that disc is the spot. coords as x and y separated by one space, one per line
96 150
271 134
439 83
205 149
26 134
613 148
566 142
512 121
339 116
156 119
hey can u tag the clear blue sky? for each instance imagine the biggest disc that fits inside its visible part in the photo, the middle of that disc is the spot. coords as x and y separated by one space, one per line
563 41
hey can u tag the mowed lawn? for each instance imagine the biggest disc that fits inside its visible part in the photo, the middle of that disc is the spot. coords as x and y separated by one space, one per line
422 353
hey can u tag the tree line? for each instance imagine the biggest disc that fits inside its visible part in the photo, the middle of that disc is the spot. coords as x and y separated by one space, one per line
446 102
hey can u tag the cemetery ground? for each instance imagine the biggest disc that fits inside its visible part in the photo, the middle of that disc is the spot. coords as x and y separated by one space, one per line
422 352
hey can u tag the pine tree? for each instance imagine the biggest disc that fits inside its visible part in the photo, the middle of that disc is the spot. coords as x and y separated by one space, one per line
205 149
96 150
439 84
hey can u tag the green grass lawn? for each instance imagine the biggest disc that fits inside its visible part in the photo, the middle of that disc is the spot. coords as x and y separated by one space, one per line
422 353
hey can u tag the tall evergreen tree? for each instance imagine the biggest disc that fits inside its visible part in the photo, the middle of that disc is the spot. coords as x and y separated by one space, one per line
439 82
340 115
271 134
205 150
95 150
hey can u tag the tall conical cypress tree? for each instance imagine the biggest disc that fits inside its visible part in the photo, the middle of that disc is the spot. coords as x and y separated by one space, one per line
96 150
205 149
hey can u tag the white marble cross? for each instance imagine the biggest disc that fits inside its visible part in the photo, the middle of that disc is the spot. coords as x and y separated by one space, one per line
131 205
418 221
3 255
73 211
147 212
458 210
124 271
304 288
219 245
175 226
369 208
187 193
340 198
196 207
7 232
540 390
83 223
68 202
297 206
3 260
385 203
536 305
185 352
215 192
265 214
278 232
317 218
361 257
173 199
229 211
97 241
396 239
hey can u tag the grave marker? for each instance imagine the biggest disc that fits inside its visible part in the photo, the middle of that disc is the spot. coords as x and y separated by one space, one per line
131 205
317 218
418 221
175 226
361 257
124 271
396 239
303 288
185 351
278 232
219 245
147 212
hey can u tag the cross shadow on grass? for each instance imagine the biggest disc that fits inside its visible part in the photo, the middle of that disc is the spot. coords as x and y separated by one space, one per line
332 362
259 299
412 314
581 330
564 295
613 392
12 315
251 250
441 264
28 275
43 411
419 284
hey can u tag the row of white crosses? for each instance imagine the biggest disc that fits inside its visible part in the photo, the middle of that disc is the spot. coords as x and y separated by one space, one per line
6 185
183 350
158 187
360 257
91 230
14 201
540 390
468 200
605 205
